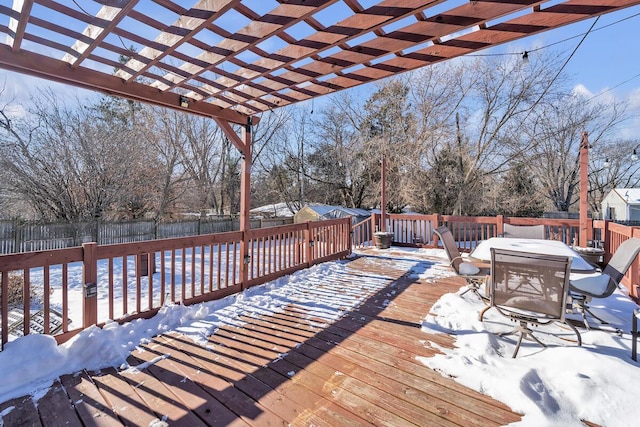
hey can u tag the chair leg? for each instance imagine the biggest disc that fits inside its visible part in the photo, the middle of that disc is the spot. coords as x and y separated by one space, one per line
469 289
576 332
583 312
524 332
484 310
604 322
474 287
581 306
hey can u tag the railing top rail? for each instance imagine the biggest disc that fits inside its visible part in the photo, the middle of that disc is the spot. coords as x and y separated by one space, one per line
472 219
278 229
146 246
330 222
24 260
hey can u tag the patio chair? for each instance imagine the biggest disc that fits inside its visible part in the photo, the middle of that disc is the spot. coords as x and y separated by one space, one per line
474 275
523 231
582 290
530 289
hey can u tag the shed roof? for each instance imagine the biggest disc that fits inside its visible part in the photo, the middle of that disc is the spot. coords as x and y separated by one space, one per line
322 210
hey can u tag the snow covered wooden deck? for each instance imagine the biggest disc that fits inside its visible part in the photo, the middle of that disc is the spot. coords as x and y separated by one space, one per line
295 366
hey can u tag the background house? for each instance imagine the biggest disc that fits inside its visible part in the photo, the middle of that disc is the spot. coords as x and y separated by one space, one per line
622 204
275 210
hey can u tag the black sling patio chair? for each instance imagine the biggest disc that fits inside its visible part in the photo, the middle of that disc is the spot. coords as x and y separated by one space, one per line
474 275
530 289
583 290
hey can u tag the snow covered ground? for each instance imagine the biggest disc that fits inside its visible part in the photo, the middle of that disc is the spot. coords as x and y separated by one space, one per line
554 386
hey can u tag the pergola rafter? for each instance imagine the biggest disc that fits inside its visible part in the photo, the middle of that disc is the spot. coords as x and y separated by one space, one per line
284 52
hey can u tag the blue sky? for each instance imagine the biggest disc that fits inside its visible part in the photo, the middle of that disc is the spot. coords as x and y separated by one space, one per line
606 59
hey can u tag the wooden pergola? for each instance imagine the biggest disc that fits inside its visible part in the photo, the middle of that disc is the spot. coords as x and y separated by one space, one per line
232 60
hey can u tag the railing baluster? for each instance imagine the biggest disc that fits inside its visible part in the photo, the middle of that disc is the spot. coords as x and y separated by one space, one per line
163 280
110 287
211 246
26 301
202 279
226 276
65 297
125 286
193 272
138 285
4 308
151 258
183 270
219 268
46 290
173 275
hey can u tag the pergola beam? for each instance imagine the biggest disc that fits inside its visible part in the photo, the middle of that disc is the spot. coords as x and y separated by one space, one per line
192 49
51 69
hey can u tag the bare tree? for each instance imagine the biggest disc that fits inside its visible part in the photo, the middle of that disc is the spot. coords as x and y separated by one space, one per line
501 94
203 153
166 139
553 141
70 163
339 161
388 130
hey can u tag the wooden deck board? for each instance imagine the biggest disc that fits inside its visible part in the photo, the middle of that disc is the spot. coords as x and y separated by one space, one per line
298 366
20 411
155 394
123 398
55 409
89 404
173 375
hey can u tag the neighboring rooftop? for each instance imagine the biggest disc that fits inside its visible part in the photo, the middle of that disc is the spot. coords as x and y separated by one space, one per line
630 195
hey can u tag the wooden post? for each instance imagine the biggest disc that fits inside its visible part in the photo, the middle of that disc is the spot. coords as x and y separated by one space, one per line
383 196
245 203
500 225
435 224
606 242
89 284
584 187
349 236
243 144
308 249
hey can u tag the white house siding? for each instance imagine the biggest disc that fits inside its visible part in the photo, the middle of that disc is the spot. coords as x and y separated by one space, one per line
622 204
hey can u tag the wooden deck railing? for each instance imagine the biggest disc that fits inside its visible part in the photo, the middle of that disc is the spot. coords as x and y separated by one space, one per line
417 231
131 280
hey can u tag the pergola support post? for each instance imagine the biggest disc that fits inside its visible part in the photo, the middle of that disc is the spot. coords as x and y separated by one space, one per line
383 195
243 144
584 189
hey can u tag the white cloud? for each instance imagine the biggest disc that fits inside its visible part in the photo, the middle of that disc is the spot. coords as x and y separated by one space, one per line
581 89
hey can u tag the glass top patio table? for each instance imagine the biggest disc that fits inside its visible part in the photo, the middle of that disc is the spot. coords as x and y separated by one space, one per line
482 252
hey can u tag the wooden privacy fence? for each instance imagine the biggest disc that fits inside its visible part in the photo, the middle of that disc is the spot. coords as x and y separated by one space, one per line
417 231
17 236
91 284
